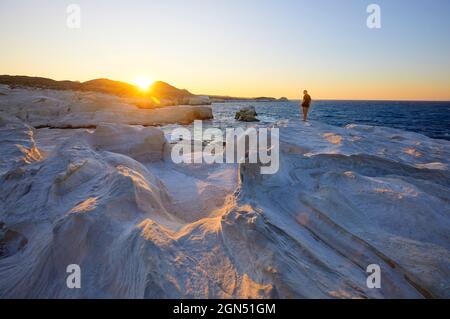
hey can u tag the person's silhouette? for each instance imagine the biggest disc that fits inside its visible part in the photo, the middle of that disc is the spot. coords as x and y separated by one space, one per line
306 103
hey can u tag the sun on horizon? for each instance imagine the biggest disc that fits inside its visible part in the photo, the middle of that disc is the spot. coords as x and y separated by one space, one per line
143 82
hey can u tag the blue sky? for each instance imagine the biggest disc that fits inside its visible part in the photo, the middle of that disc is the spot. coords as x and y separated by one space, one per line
241 48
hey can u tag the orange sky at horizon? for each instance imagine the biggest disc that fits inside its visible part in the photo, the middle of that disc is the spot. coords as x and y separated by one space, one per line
319 89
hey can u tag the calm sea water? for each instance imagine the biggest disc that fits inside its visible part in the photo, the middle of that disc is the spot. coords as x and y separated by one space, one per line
428 118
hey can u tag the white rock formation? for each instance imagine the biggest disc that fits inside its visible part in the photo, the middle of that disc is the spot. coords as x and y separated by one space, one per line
343 198
144 144
70 109
198 100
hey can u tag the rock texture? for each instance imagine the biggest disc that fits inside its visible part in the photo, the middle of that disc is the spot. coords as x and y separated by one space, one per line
246 114
71 109
140 227
144 144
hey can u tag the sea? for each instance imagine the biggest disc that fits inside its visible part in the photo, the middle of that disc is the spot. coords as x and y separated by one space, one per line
428 118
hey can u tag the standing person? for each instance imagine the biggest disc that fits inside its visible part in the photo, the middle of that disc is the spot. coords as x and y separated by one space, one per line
305 104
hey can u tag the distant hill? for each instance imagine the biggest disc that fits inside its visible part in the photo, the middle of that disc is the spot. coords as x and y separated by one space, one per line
160 90
110 86
38 82
222 99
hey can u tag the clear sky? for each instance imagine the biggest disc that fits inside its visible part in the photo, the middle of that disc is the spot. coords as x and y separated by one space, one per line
238 47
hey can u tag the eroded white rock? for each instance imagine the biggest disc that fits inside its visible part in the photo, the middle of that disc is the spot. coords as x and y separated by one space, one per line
144 144
70 109
343 198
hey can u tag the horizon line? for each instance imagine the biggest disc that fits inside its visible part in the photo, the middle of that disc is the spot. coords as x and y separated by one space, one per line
246 97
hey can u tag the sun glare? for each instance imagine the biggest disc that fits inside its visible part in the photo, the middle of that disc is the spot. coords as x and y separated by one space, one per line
143 83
